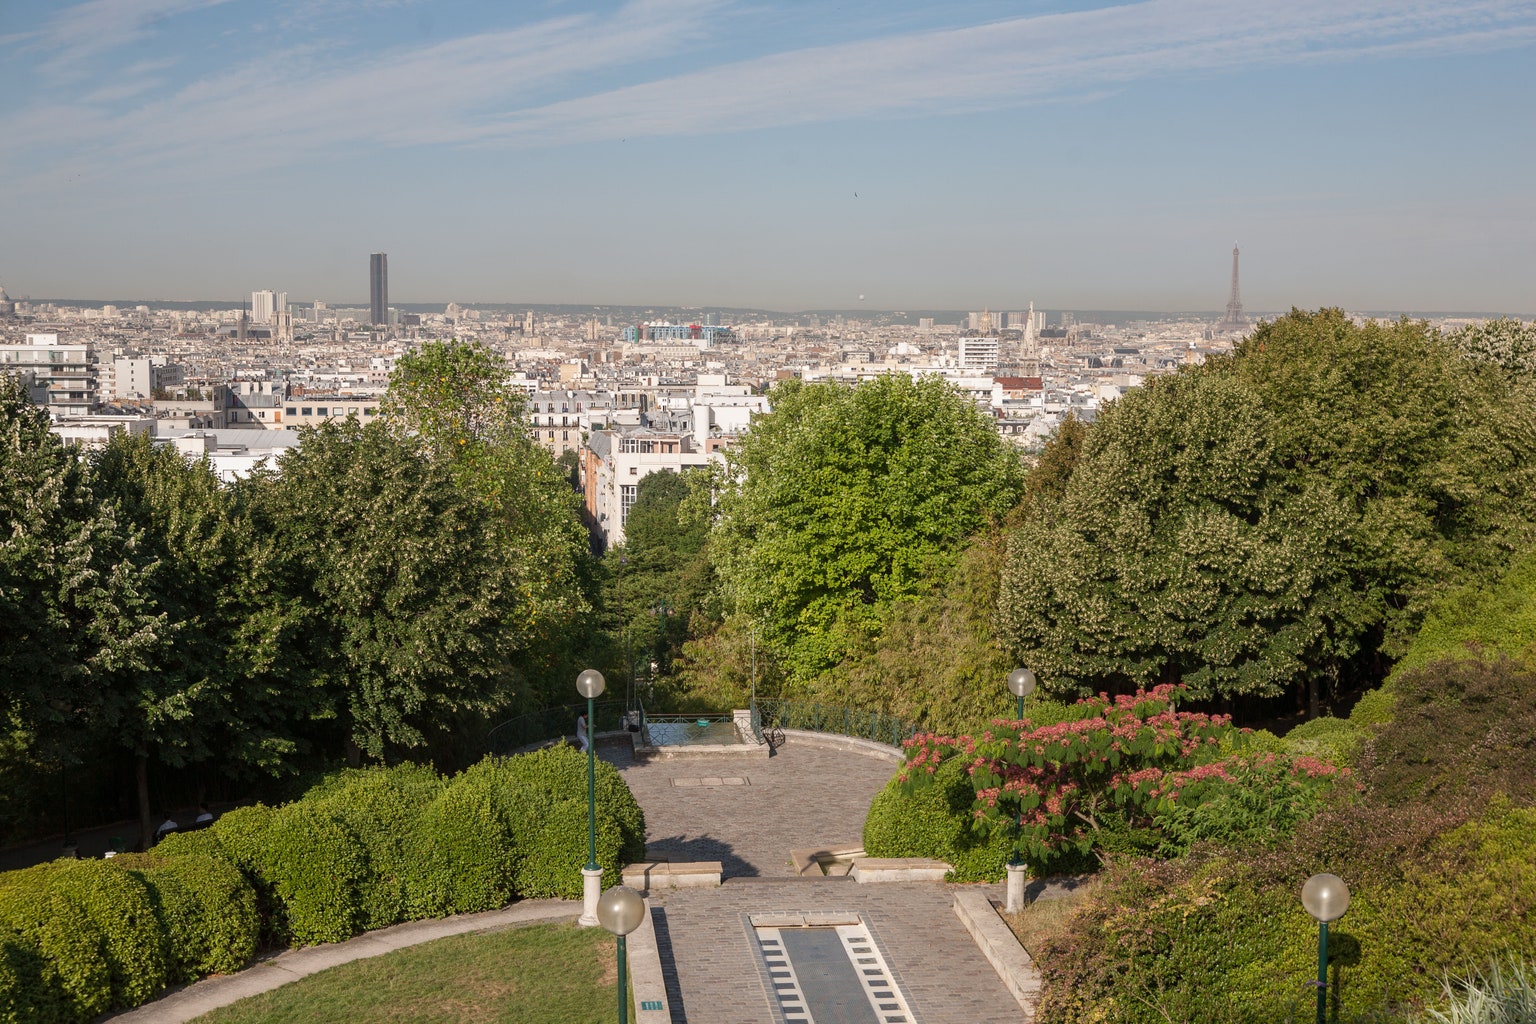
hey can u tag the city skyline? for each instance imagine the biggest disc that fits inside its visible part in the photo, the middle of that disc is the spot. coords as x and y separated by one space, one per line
697 153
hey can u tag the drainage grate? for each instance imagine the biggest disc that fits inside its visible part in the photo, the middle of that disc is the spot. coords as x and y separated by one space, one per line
829 974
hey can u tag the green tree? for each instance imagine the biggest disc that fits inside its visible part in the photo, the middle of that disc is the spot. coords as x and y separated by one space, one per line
1265 522
75 602
408 612
459 400
846 500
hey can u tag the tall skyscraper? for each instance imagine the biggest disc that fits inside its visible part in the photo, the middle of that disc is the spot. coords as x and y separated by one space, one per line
378 288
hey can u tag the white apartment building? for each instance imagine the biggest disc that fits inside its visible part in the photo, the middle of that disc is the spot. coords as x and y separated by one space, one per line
313 409
614 462
978 354
561 420
59 377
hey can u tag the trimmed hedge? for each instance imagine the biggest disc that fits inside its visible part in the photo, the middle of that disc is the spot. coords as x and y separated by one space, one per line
362 849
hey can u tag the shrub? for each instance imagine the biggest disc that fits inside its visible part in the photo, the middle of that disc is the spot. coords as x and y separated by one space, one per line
381 807
133 940
55 950
206 908
460 857
317 868
1337 740
1221 938
1505 993
934 821
560 773
553 844
241 836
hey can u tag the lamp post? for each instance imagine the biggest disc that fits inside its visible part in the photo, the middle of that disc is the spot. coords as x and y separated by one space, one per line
621 910
1021 683
1325 897
590 685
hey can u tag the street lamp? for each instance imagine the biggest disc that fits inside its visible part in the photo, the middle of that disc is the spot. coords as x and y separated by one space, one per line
1021 683
621 910
590 685
1325 897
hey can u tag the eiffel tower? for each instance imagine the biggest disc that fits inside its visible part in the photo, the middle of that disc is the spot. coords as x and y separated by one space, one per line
1236 321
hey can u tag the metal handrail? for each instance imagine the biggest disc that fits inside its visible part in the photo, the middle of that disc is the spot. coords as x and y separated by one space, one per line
841 721
555 722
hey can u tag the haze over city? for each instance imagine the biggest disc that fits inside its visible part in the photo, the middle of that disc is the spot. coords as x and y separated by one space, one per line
780 156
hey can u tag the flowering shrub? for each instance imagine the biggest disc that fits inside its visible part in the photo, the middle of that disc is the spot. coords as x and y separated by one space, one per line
1125 763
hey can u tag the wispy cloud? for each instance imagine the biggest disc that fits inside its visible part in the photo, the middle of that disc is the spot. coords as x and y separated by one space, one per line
77 34
524 86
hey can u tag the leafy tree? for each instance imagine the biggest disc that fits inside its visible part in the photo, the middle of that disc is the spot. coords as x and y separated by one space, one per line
846 500
458 399
407 610
1506 343
195 698
1265 522
661 576
75 598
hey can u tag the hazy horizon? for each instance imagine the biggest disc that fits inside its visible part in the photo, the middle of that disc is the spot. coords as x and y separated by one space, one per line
779 156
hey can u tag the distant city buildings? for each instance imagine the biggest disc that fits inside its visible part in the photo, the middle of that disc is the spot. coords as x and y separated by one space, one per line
265 304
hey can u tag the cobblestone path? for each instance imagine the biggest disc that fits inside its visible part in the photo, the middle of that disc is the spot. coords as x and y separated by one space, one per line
803 796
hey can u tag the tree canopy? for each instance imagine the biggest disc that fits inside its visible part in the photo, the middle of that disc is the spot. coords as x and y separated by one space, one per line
845 500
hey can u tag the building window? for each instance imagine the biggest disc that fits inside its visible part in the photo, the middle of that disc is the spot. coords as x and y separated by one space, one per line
309 410
370 411
626 499
633 471
292 411
565 435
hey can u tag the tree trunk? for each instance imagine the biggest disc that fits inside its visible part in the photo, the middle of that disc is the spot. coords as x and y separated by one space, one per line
354 754
1312 708
146 820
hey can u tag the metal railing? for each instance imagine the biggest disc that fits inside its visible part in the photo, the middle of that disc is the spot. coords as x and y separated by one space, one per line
688 730
553 723
769 716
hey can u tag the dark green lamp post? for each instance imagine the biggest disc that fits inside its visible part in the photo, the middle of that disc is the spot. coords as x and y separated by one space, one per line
1325 897
590 685
621 910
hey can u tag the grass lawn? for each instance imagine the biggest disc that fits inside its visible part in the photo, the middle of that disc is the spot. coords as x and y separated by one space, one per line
537 974
1040 920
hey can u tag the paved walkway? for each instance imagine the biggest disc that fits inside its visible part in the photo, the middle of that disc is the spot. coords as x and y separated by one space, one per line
801 797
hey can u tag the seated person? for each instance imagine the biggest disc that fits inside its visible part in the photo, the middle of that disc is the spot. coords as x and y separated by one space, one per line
166 827
204 815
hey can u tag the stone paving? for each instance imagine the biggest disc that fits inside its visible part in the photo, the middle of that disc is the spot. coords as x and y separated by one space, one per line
934 959
807 795
801 797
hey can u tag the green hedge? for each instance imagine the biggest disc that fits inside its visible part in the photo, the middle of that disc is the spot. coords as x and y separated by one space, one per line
362 849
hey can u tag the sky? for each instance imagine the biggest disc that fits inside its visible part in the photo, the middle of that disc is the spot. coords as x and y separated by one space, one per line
778 154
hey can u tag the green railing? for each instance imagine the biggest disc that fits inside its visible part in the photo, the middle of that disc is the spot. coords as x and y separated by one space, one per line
553 723
689 730
768 716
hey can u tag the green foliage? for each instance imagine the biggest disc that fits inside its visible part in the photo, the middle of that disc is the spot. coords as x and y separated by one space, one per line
381 807
317 866
1461 731
934 821
118 903
207 910
1502 993
54 951
1225 939
1258 524
1483 619
1506 343
460 855
846 500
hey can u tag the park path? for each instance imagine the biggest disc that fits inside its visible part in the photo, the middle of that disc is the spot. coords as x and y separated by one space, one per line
811 794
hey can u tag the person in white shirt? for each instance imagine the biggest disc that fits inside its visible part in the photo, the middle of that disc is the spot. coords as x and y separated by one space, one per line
581 732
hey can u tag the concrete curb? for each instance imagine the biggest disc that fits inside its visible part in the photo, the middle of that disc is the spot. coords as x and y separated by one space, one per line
1001 948
184 1004
852 744
646 981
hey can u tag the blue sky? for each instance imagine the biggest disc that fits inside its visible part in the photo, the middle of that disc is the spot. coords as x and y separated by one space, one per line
1375 154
